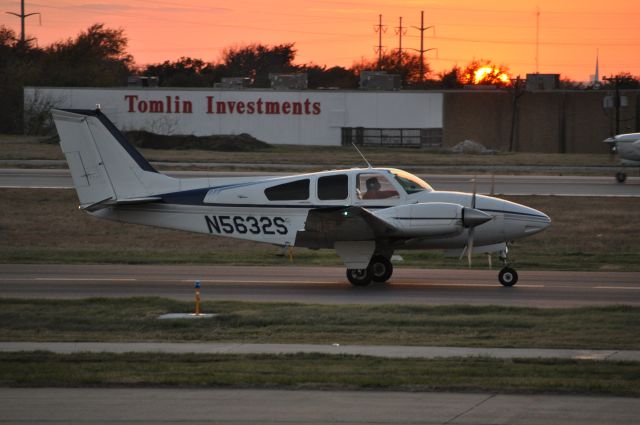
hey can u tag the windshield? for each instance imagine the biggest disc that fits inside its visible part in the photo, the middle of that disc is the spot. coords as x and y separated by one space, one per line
410 183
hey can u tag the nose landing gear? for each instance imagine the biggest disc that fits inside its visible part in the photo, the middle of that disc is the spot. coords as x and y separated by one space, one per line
507 276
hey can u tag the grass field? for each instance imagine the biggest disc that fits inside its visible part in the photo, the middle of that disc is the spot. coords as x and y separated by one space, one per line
315 371
135 319
31 147
45 226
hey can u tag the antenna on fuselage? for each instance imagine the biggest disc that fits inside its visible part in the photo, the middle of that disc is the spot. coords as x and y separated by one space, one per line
358 150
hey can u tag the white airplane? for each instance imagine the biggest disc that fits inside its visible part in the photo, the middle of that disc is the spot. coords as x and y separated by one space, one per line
365 214
627 146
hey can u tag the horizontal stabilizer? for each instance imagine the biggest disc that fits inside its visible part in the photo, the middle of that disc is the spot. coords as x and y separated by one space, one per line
110 202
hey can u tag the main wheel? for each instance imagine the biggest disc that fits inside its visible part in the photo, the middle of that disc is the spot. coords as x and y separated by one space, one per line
359 277
508 276
621 177
380 268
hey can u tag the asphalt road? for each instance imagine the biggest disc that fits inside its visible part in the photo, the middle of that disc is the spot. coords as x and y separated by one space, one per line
325 285
499 185
241 406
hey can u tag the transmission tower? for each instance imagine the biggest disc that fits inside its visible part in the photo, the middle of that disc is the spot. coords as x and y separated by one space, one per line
422 50
380 29
400 30
23 16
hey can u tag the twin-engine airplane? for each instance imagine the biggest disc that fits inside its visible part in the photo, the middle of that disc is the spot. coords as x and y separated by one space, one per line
627 146
365 214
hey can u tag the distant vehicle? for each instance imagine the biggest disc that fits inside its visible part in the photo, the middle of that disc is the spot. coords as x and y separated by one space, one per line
365 214
627 146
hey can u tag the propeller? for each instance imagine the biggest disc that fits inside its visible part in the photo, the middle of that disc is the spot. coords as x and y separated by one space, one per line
472 228
472 217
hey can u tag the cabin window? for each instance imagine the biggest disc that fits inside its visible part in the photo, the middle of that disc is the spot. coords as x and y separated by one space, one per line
333 187
293 191
375 186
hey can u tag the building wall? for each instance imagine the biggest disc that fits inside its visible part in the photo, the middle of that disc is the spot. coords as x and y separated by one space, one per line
546 121
307 117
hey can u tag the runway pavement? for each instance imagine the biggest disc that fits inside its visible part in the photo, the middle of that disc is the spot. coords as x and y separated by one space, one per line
499 185
147 406
325 285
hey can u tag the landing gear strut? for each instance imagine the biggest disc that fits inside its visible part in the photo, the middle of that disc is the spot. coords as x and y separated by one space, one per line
380 269
507 276
621 176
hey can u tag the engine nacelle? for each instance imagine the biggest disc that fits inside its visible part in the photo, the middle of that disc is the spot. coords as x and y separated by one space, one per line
425 219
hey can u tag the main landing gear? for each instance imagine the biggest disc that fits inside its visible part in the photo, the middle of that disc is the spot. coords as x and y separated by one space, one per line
507 276
380 269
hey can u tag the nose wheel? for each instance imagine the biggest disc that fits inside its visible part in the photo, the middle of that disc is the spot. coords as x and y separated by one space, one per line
507 276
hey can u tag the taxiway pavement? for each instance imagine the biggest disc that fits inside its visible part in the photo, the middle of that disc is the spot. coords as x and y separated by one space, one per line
387 351
146 406
486 184
325 285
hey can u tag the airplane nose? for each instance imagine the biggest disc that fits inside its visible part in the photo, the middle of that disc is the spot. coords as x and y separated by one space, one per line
537 221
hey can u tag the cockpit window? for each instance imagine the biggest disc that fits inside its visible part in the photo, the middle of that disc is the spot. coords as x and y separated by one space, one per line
375 186
293 191
410 183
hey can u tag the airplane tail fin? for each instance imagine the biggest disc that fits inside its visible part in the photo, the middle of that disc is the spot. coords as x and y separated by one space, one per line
106 169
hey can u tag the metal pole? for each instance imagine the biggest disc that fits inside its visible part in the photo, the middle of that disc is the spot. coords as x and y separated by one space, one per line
422 28
197 287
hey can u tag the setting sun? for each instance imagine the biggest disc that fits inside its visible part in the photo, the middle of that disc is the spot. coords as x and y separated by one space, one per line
489 74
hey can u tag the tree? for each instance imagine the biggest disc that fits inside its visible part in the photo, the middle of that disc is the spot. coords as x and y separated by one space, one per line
337 76
185 72
97 57
451 79
407 66
624 79
484 72
257 61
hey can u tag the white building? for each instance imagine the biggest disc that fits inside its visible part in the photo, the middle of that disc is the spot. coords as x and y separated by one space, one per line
304 117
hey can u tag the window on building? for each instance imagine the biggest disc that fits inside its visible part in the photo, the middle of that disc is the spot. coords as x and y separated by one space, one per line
333 187
293 191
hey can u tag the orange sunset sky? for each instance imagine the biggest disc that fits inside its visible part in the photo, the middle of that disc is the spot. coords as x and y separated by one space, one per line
333 32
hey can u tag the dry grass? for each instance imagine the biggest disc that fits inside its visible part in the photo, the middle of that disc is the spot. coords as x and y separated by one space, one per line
46 226
31 147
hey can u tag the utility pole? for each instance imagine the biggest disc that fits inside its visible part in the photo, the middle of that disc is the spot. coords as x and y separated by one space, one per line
400 30
537 36
379 29
422 50
22 17
617 102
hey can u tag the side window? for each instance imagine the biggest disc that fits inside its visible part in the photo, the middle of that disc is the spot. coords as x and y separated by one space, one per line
375 186
333 187
293 191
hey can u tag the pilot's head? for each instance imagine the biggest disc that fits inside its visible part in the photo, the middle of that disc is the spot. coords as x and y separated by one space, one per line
373 184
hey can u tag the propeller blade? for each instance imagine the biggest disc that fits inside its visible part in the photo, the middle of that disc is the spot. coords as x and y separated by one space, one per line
470 246
473 198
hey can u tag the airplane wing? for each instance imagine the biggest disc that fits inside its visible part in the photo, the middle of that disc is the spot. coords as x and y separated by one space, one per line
325 226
